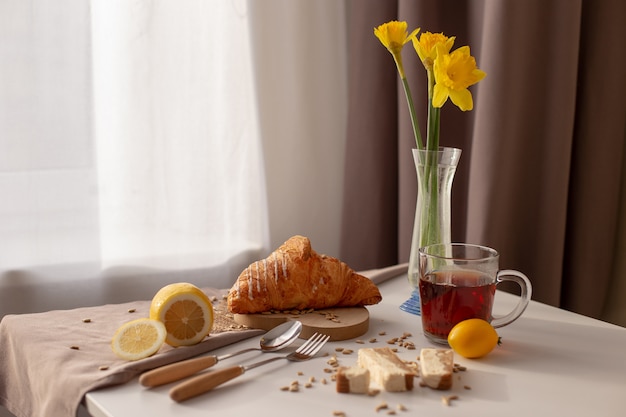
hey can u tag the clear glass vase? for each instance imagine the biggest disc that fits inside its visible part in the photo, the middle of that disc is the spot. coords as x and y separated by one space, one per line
435 174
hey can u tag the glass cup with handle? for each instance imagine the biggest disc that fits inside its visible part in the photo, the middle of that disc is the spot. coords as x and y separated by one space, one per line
458 282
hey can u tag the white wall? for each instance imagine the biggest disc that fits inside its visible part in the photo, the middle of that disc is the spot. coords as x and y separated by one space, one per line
301 68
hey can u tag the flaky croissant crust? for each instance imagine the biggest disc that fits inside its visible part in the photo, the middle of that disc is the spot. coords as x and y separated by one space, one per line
295 277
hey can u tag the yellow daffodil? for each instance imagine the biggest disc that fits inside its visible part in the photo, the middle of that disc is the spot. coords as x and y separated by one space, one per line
454 73
394 35
426 49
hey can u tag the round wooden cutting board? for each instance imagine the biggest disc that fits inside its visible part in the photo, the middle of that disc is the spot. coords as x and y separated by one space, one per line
338 323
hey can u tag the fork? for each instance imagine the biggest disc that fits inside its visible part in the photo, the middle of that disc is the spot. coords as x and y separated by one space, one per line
205 382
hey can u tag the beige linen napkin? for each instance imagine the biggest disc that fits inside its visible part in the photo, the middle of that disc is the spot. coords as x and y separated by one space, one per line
48 361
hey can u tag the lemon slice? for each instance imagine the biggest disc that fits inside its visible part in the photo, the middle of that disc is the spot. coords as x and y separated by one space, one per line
185 311
138 339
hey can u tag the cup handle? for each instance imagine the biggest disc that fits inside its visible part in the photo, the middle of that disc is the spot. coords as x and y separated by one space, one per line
524 283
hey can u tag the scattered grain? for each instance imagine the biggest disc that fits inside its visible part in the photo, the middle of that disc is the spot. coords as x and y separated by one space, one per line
103 368
381 406
132 310
86 320
447 399
74 347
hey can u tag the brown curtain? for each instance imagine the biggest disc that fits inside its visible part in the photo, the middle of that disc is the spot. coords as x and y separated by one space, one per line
543 150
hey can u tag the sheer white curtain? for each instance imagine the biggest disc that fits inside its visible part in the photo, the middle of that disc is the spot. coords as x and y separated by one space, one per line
129 149
140 144
179 158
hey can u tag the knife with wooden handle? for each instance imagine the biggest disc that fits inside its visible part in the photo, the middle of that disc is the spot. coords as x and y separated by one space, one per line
179 370
175 371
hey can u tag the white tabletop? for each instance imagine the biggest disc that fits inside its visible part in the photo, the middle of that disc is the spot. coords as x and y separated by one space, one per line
552 362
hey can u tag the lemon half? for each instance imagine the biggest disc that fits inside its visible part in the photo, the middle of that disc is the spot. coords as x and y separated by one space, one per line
138 339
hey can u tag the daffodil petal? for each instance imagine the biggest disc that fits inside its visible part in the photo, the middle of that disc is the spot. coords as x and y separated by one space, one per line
440 95
462 99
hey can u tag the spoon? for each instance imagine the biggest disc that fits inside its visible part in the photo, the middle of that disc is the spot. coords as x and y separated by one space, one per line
279 337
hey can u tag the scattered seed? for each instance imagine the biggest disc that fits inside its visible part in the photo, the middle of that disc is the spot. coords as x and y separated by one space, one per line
74 347
103 368
132 310
338 349
359 341
401 407
339 414
285 388
382 333
312 379
381 406
323 381
373 392
391 413
308 385
300 373
373 340
294 388
446 400
333 361
467 387
347 351
86 320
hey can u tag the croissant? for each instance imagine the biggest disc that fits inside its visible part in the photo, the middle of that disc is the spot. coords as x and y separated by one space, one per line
295 277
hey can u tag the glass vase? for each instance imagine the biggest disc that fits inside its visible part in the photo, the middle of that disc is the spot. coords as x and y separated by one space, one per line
435 174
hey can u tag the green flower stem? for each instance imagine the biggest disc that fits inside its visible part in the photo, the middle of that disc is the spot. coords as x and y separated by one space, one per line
416 128
431 172
432 133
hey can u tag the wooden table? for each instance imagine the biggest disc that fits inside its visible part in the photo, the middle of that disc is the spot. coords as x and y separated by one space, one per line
552 362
